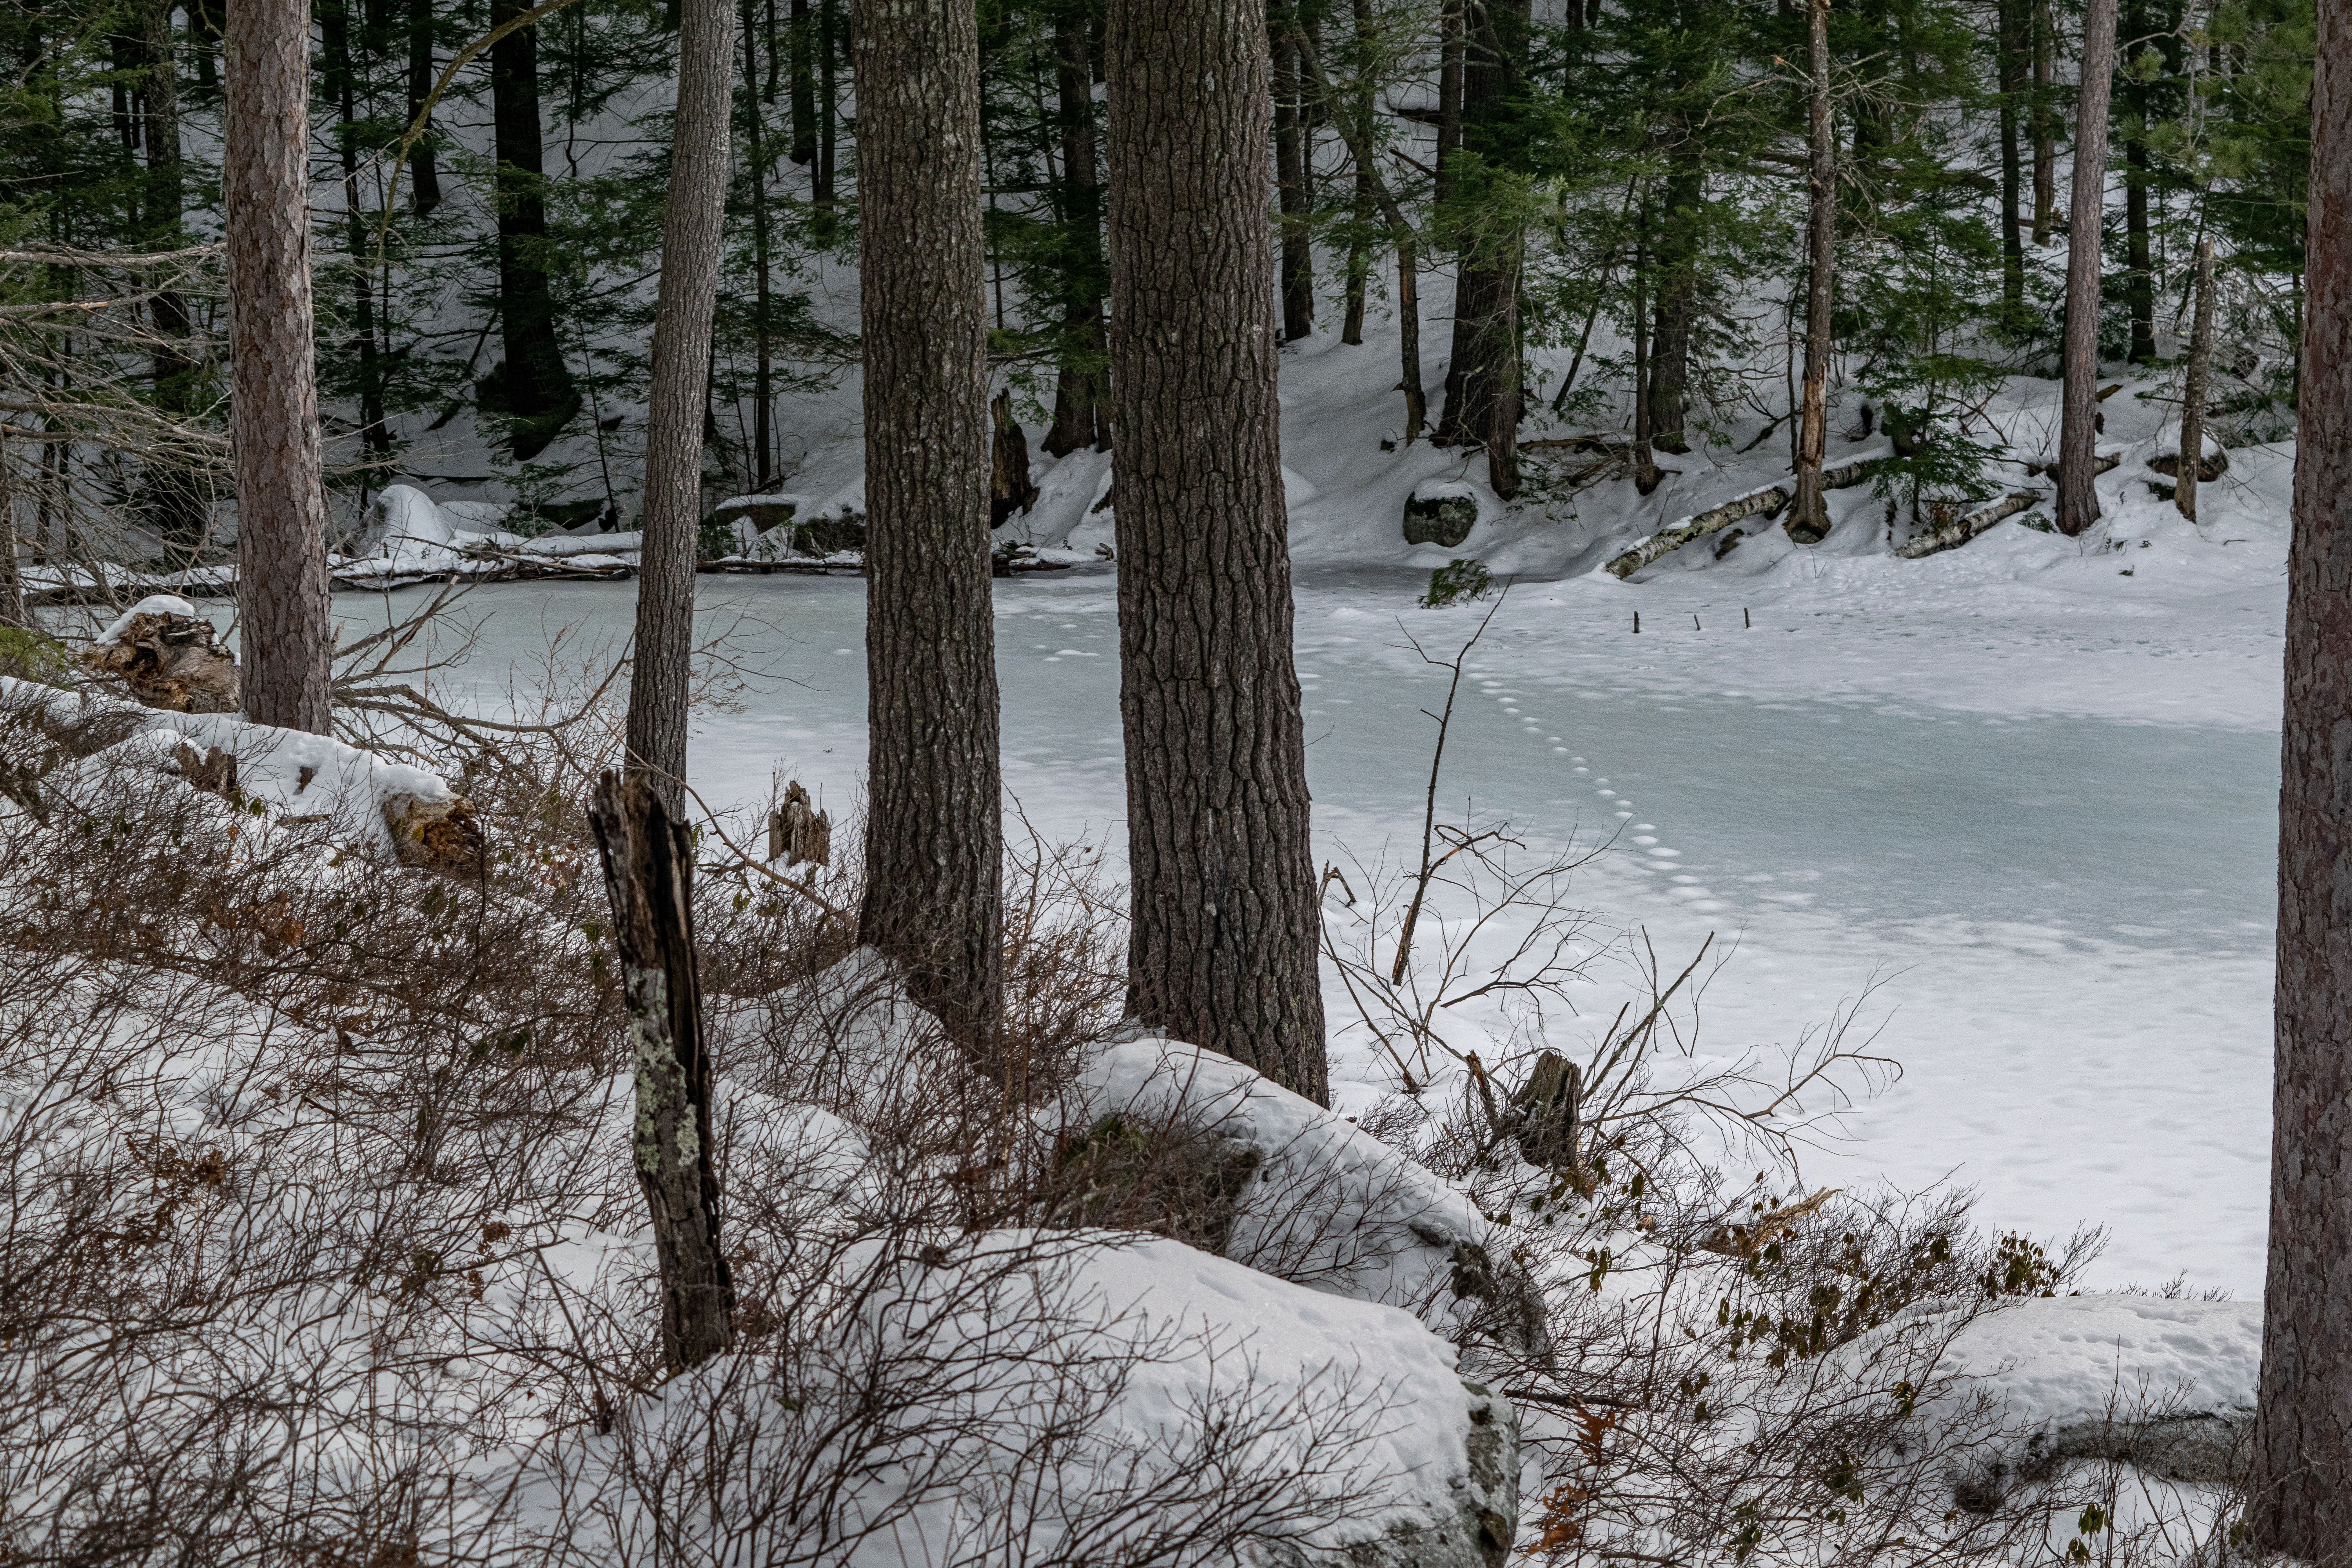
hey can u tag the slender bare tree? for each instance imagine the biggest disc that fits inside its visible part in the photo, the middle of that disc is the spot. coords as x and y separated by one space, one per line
675 406
1223 950
1809 513
2078 499
282 544
934 836
2301 1480
2193 388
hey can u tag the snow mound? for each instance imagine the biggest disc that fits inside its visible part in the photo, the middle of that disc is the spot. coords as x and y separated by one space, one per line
1326 1204
294 775
2167 1385
1079 1397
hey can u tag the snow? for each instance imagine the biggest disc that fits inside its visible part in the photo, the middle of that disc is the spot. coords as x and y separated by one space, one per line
1030 1320
1328 1204
153 605
2068 1361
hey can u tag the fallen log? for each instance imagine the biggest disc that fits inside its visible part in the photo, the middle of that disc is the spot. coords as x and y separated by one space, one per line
2099 465
1768 500
1962 529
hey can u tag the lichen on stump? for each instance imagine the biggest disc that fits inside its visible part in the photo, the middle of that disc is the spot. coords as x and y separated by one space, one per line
437 834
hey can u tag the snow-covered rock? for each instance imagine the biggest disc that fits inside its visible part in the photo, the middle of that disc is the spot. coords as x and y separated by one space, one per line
1441 513
1326 1204
2168 1386
1077 1396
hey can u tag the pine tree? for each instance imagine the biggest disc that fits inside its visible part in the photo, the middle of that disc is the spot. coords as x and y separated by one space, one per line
934 838
2078 500
1223 945
2301 1486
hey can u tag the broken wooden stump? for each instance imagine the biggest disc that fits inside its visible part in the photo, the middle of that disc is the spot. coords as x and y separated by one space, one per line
797 831
1548 1107
436 835
168 660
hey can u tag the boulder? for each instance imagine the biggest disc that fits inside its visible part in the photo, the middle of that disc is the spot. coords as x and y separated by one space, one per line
1440 514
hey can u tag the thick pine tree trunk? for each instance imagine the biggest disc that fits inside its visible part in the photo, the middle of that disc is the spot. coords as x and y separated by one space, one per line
677 401
648 859
1081 392
2078 500
934 836
423 177
2300 1487
533 386
2193 388
1677 310
1809 514
282 547
1225 936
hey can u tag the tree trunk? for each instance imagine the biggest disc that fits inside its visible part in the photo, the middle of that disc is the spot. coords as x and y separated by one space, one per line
648 859
1450 29
1081 395
423 178
281 546
677 400
1011 490
1357 130
2139 287
1224 944
2300 1490
180 508
2192 391
1646 463
2013 52
532 388
1676 282
1290 182
2078 500
934 834
763 440
801 46
1482 375
828 113
2045 125
1808 521
12 587
1360 237
335 38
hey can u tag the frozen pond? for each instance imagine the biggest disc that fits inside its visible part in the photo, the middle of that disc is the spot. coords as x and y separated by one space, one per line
2067 917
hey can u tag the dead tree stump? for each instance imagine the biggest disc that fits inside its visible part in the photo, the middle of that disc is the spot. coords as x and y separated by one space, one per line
1548 1111
797 831
169 661
1010 488
648 863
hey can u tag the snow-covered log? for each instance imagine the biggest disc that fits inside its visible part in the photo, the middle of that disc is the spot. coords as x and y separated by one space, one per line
1966 526
163 654
1767 500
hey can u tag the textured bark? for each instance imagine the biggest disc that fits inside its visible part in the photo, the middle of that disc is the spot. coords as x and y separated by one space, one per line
1291 196
1010 488
934 836
1224 935
648 861
2078 501
2300 1487
423 176
1081 390
1360 239
282 547
1450 23
677 400
2140 280
11 581
828 113
1808 521
2192 390
532 386
2015 52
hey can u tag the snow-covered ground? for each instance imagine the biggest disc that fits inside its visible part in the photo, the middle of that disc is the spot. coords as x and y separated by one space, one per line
2022 793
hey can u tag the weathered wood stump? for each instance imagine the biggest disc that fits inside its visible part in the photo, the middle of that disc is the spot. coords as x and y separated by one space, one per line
169 661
